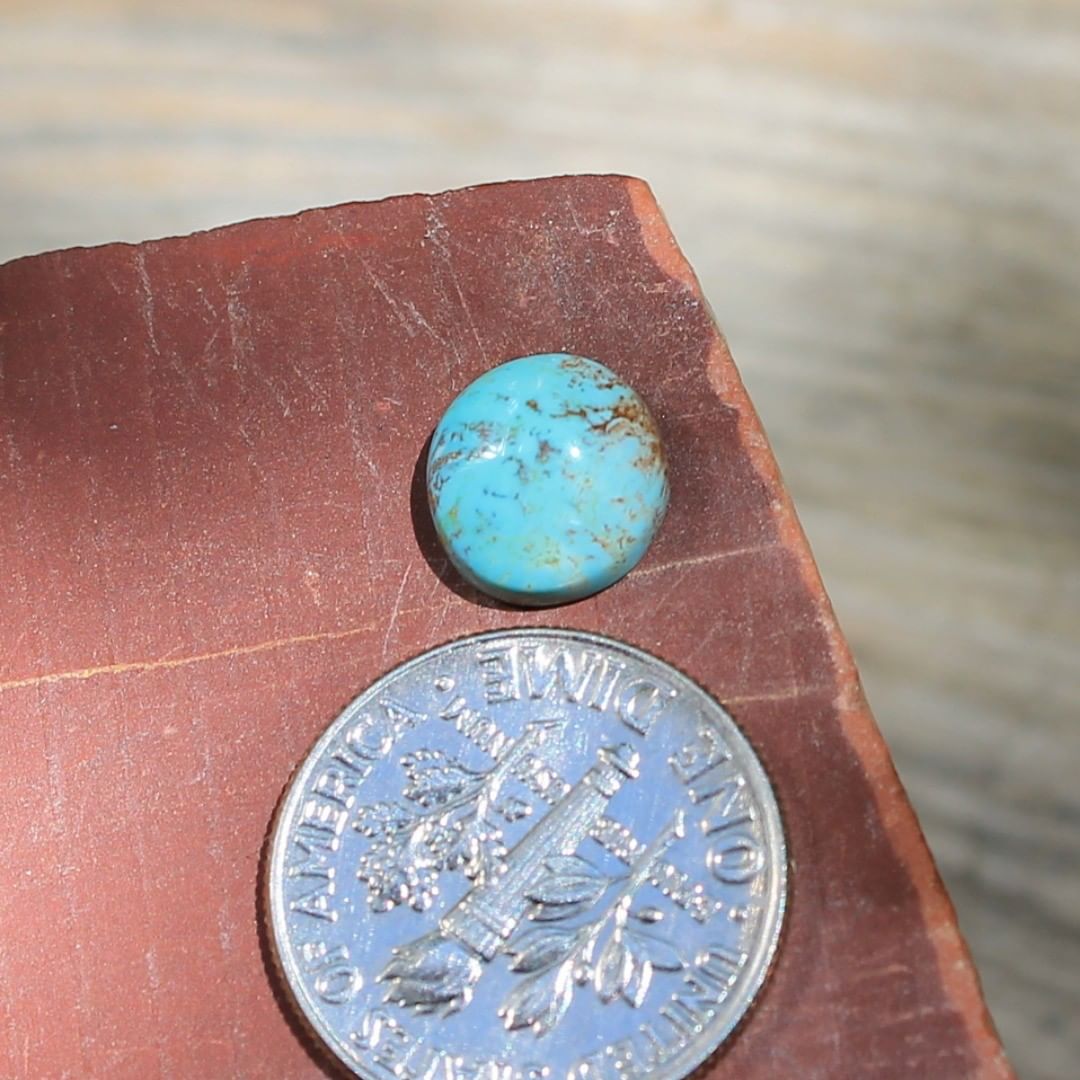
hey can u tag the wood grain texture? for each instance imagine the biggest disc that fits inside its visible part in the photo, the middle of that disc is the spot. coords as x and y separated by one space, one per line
880 200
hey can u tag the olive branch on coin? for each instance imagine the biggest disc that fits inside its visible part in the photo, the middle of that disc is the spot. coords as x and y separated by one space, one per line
455 827
439 970
556 958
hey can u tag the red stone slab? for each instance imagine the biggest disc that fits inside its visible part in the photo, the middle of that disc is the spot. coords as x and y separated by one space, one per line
212 536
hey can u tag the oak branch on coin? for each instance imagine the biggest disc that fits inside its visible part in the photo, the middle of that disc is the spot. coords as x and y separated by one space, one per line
559 957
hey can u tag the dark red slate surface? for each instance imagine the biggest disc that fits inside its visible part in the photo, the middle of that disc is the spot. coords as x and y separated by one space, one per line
212 537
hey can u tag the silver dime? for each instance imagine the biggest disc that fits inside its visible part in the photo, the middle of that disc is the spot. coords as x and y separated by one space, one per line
528 854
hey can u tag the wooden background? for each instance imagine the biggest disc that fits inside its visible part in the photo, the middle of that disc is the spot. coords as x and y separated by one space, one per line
883 201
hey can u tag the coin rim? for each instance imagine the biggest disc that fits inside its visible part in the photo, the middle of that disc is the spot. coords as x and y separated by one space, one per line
764 950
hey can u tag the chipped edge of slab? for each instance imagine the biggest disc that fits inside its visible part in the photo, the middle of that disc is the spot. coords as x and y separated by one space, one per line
225 228
959 977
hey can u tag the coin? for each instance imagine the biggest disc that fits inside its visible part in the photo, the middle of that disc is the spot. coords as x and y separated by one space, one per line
528 854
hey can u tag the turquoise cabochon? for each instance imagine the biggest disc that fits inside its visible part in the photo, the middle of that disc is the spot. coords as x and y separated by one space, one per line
546 479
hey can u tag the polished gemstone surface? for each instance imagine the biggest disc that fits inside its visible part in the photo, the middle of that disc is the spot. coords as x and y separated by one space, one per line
546 479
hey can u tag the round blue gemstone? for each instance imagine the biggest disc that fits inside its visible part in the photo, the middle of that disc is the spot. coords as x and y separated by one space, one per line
546 479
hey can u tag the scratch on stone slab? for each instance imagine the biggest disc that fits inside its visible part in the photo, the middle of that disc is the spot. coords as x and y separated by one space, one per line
701 560
405 311
589 231
367 459
58 822
435 625
436 229
407 324
789 694
139 666
706 640
235 317
147 299
396 612
582 231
